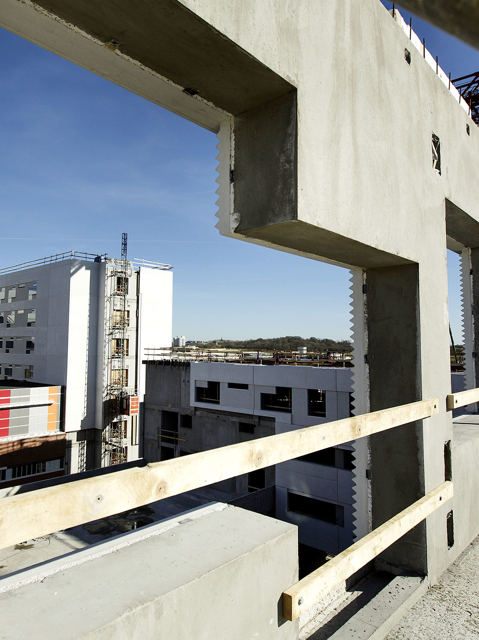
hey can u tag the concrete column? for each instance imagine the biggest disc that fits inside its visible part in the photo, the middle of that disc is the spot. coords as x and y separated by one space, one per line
394 371
475 313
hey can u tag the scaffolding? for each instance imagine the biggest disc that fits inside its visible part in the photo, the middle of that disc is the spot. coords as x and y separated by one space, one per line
468 87
117 348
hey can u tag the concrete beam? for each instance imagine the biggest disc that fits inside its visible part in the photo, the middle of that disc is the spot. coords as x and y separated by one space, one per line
460 18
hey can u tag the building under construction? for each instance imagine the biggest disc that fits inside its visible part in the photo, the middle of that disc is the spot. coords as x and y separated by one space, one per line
81 321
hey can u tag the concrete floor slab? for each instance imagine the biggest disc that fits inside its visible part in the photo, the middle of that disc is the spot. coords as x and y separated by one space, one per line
450 609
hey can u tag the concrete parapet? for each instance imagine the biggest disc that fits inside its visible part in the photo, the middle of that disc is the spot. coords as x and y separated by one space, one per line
213 573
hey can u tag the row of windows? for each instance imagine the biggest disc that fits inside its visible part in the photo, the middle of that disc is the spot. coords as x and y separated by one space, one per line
18 345
30 469
17 371
20 317
18 292
280 401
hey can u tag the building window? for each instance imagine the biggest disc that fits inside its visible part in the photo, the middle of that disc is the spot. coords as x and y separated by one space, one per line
246 427
121 318
1 343
32 291
331 457
122 285
237 385
29 345
316 403
9 371
12 294
2 294
318 509
210 393
120 347
10 318
119 377
186 421
31 317
31 469
256 480
436 153
279 401
29 372
169 426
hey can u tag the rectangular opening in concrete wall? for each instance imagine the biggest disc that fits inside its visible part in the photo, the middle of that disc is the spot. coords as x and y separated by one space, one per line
238 385
256 480
209 393
280 401
436 153
246 427
318 509
316 403
169 426
186 421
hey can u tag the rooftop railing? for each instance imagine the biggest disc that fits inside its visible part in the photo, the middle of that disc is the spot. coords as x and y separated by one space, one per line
57 257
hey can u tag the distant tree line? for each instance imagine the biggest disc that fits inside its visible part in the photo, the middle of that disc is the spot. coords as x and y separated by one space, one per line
287 343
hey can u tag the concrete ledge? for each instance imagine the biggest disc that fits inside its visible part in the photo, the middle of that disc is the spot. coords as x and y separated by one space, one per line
373 608
215 573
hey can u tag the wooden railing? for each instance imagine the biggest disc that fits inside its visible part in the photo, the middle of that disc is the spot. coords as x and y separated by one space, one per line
35 514
461 399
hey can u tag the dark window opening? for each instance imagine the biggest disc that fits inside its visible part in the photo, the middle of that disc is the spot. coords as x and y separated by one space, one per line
407 56
210 394
316 403
256 480
436 153
447 461
122 285
169 426
326 457
450 529
9 344
237 385
186 421
9 371
331 457
279 401
167 453
246 427
319 509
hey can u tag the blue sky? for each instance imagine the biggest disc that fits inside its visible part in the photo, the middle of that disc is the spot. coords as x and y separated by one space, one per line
83 161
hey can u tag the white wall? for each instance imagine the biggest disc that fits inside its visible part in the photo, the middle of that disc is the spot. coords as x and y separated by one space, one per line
155 327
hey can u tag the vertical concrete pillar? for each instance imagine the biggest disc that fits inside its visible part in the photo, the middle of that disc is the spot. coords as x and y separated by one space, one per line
394 371
474 262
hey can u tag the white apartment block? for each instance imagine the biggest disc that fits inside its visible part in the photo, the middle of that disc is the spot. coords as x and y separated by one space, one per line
321 493
82 321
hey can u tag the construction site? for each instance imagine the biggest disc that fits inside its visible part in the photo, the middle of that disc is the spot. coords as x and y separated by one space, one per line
317 138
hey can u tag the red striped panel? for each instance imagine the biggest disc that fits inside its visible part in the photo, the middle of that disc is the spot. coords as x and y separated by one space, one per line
5 414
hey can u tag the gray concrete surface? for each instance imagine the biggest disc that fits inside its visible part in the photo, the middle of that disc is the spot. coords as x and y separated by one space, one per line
217 573
450 609
33 552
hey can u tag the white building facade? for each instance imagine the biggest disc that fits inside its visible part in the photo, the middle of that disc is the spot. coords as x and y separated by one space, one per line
320 492
81 321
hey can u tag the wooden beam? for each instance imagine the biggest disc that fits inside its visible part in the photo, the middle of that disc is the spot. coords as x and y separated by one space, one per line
461 399
319 583
37 513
